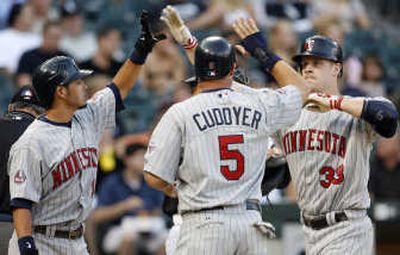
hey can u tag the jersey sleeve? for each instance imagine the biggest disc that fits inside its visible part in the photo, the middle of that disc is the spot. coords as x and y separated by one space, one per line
163 153
24 171
103 106
282 106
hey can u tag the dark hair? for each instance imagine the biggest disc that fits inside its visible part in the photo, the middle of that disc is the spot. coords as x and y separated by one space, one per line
15 11
375 59
49 24
132 148
106 30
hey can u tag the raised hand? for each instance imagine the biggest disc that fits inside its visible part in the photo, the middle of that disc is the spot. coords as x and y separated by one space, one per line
245 27
146 40
253 40
177 27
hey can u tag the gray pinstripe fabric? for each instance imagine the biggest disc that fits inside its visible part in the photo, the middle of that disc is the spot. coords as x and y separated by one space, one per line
52 246
59 166
197 125
328 156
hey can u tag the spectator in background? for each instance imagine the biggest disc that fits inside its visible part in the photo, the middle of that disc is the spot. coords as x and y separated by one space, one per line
76 41
297 11
17 38
350 13
22 110
331 27
103 61
221 14
126 194
385 170
163 70
31 59
373 75
42 13
5 7
283 39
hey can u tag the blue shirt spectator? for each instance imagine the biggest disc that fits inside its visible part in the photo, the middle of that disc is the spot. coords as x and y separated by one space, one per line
116 189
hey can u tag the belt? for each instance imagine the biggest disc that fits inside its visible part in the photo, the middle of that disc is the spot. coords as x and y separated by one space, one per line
322 222
250 205
72 234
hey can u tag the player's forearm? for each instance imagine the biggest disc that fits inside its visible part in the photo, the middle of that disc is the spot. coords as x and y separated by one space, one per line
159 184
107 213
353 106
126 77
190 54
285 75
22 218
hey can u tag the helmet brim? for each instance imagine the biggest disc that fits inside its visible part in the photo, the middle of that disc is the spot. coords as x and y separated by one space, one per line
297 58
81 74
191 81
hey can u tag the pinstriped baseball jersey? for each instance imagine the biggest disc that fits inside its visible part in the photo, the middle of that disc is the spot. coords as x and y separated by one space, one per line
55 164
328 156
222 135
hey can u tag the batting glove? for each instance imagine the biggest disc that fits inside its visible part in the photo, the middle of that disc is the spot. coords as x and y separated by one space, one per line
266 228
177 27
146 40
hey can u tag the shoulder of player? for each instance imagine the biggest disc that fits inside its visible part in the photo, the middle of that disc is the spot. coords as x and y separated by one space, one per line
33 134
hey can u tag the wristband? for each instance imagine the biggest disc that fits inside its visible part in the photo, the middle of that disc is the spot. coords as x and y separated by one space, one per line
138 57
27 246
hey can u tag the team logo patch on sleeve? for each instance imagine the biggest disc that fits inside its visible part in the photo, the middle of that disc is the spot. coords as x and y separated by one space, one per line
19 177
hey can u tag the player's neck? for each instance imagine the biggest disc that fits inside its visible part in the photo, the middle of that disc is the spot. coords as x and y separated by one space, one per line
331 89
217 84
60 114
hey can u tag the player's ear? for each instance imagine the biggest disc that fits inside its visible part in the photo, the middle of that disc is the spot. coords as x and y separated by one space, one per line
336 69
61 91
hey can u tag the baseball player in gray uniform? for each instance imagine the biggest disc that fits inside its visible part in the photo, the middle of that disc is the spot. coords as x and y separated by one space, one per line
222 137
53 166
328 149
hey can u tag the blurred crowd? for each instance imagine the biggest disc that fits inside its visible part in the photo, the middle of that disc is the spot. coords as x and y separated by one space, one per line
99 33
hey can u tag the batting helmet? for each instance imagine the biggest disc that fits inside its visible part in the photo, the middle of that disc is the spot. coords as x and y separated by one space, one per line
214 58
322 47
57 71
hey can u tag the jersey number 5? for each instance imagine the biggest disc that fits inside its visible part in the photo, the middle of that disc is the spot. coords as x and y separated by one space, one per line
331 176
226 154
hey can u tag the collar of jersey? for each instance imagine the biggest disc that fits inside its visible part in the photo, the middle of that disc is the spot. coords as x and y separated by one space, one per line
60 124
213 90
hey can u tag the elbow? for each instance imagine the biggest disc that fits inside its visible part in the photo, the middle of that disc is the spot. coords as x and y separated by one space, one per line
154 181
382 116
389 126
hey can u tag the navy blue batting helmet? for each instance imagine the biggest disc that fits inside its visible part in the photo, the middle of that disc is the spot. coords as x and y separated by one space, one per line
214 58
57 71
322 47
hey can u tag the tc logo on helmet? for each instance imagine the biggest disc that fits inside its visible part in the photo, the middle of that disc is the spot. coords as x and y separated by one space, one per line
308 45
211 68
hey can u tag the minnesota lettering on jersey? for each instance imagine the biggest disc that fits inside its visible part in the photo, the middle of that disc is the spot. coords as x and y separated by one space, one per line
313 139
227 116
74 163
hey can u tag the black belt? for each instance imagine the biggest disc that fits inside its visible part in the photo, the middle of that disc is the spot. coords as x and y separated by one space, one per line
321 222
73 234
250 205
